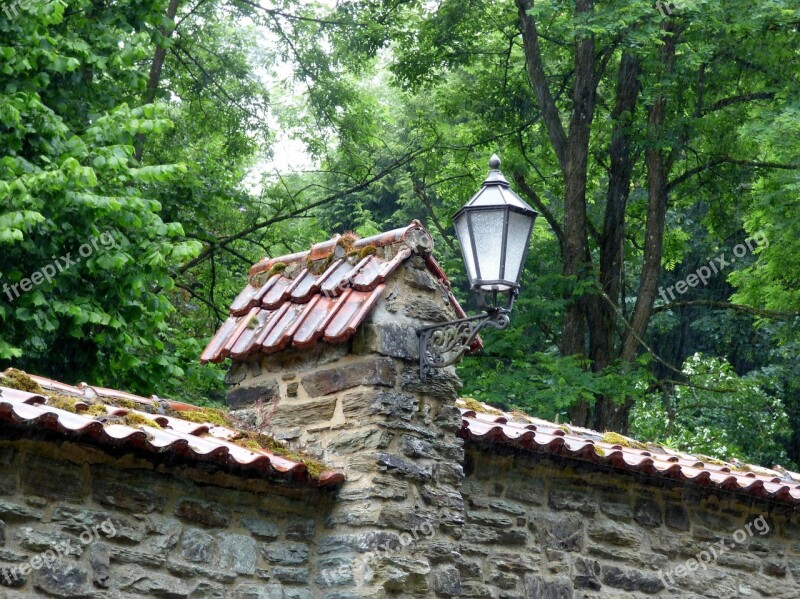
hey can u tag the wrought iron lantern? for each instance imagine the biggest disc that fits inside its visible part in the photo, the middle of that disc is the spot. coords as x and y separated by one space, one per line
493 230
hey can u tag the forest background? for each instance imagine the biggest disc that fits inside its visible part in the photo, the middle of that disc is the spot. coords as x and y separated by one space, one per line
202 135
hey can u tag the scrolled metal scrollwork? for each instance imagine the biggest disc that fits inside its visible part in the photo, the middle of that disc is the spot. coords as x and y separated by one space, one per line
443 344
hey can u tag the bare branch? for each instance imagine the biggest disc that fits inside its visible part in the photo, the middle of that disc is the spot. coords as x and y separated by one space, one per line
728 306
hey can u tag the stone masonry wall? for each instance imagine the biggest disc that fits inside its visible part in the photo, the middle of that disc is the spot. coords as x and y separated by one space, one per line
98 527
550 528
361 407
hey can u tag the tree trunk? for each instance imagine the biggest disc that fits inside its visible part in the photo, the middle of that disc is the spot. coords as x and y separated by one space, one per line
614 416
155 71
602 315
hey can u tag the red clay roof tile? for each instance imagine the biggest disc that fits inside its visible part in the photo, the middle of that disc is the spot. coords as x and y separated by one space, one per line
196 441
578 443
299 306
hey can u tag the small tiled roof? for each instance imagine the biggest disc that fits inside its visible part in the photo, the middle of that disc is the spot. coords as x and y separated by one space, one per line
322 294
195 441
519 430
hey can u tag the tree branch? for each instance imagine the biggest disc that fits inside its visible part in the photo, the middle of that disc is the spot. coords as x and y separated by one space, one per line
727 160
728 306
719 105
531 194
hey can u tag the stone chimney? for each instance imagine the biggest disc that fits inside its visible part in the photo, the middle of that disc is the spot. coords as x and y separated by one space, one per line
325 357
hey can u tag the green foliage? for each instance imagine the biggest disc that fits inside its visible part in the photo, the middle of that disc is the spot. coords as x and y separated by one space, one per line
719 414
76 205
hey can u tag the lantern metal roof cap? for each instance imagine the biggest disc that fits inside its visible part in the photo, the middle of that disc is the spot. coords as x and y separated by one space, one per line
496 192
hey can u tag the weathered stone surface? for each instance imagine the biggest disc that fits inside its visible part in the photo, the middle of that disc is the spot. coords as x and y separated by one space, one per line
447 582
631 580
537 587
614 533
586 574
403 467
39 541
197 545
264 389
304 413
559 532
295 575
568 499
300 530
388 339
62 579
261 528
137 580
2 533
10 511
100 562
237 553
676 516
256 591
100 524
373 371
648 513
428 309
202 512
285 554
236 373
50 478
134 493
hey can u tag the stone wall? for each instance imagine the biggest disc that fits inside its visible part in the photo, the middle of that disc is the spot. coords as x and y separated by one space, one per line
545 527
102 527
361 407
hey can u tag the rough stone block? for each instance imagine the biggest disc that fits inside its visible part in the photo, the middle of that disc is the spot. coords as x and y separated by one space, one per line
62 579
101 524
447 582
676 517
237 553
388 339
262 390
261 528
305 413
648 513
568 499
202 512
134 579
539 587
285 554
614 533
134 491
629 579
375 371
197 545
562 532
50 478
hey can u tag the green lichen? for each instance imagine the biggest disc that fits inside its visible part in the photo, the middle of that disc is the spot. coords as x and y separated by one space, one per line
258 279
18 379
97 409
63 402
206 416
128 404
617 439
600 451
135 420
710 460
565 428
360 253
259 441
347 240
476 406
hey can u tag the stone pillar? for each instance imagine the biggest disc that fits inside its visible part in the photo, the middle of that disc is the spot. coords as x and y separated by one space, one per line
361 407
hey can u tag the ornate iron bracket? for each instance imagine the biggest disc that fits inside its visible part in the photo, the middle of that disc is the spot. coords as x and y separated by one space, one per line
442 344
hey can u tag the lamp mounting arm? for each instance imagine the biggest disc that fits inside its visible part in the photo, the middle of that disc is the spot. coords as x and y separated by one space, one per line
443 344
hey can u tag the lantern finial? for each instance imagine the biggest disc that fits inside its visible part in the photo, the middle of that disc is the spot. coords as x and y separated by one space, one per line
494 162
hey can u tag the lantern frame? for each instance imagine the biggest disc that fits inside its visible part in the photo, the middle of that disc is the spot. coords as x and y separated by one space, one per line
443 344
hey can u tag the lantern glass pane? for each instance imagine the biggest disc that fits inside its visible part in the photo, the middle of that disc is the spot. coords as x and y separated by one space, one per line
487 225
519 232
464 239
